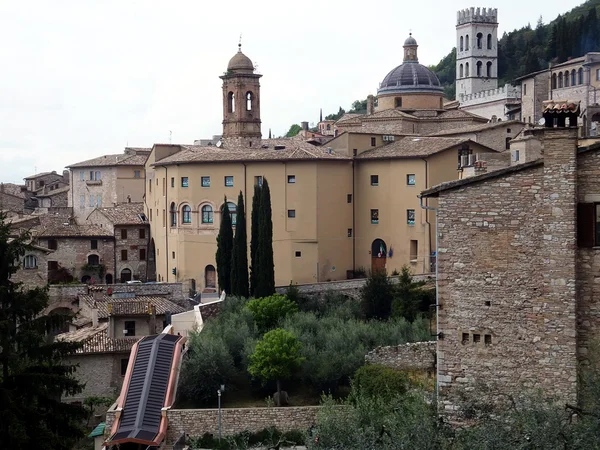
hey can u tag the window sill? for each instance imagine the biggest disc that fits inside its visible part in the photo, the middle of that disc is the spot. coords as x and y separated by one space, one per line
94 182
374 223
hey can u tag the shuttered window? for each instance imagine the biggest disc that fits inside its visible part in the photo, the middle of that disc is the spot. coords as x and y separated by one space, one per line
586 224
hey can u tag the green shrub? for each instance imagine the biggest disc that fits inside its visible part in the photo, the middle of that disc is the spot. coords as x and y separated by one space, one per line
268 311
376 296
376 380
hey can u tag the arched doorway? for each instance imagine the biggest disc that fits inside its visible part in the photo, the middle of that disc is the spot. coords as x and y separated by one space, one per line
210 277
109 278
125 275
378 255
85 279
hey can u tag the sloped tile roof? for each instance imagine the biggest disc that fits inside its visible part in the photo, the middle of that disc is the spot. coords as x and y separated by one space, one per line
125 214
130 306
294 150
413 147
42 174
62 226
460 114
475 128
96 340
114 160
54 192
389 114
12 189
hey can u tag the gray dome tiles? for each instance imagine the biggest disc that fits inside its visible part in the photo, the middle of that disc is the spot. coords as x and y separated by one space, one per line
410 77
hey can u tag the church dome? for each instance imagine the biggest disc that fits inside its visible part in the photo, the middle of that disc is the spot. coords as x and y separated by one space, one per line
410 77
240 62
410 40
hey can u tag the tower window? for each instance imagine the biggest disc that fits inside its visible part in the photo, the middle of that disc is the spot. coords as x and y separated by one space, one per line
230 102
461 71
249 101
489 69
466 69
479 65
489 41
462 44
398 102
479 39
467 42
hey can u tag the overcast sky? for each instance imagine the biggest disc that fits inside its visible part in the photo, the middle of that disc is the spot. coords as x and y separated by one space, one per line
79 79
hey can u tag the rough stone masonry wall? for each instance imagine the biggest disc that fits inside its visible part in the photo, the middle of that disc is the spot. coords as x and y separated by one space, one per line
588 260
196 422
506 281
411 356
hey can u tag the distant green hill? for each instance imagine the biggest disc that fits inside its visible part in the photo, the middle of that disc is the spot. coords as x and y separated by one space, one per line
531 49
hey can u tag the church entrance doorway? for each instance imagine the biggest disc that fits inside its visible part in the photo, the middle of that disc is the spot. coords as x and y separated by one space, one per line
378 255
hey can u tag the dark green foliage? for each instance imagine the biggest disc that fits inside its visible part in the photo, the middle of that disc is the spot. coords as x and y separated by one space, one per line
293 293
254 238
411 298
337 115
376 296
359 107
293 131
269 437
34 375
239 257
224 249
265 277
360 272
380 381
95 404
528 50
269 311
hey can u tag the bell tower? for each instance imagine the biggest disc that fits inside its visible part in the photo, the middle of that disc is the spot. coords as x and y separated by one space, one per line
241 100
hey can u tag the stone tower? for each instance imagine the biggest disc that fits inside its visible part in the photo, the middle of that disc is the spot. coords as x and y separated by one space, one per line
476 51
241 100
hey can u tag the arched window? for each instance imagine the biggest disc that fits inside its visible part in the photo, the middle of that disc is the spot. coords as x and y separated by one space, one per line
560 80
125 275
573 77
580 76
461 71
207 214
232 212
30 262
328 127
479 39
489 41
187 214
553 81
230 102
488 72
467 42
173 213
466 69
249 99
93 260
462 44
479 65
567 78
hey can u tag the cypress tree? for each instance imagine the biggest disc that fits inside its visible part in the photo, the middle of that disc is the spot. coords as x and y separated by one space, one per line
254 238
224 249
265 277
239 257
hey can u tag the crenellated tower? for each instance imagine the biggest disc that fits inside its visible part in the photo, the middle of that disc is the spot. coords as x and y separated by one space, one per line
241 99
476 50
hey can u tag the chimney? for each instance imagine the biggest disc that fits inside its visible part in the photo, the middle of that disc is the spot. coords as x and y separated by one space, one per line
94 317
494 119
370 104
304 125
152 322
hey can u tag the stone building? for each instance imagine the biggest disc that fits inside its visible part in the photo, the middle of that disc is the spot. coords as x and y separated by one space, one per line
52 198
33 271
133 258
13 199
107 181
335 207
577 80
49 180
517 267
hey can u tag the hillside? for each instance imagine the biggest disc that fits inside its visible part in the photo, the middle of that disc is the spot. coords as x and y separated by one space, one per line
531 49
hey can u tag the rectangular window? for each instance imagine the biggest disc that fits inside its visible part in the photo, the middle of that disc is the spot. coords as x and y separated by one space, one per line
94 244
374 180
507 143
52 244
184 181
524 89
205 181
373 142
411 179
349 232
142 254
488 339
82 201
150 215
229 181
123 233
172 182
52 265
298 254
258 180
98 200
597 225
476 338
92 200
349 198
123 255
414 250
173 255
149 185
410 216
124 362
597 74
81 175
465 338
143 231
91 175
136 174
374 216
291 179
291 213
129 329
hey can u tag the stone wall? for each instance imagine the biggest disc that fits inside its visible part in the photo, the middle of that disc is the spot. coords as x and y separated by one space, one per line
411 356
101 374
196 422
507 278
171 291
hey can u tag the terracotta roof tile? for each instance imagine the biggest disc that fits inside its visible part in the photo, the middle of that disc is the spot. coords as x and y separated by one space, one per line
13 189
125 214
59 225
130 306
475 128
96 340
114 160
459 114
53 192
413 147
41 174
